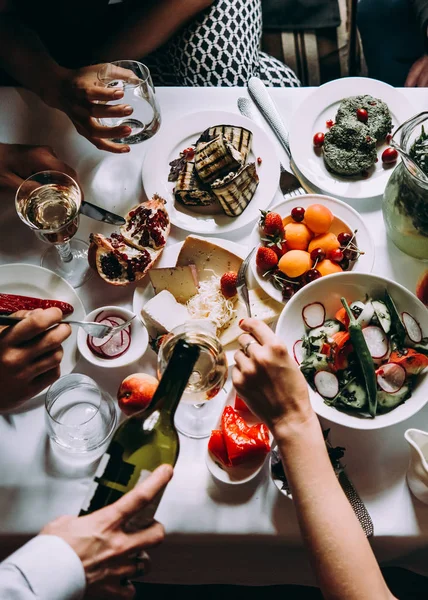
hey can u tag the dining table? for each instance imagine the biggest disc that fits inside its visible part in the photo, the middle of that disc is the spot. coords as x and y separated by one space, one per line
215 533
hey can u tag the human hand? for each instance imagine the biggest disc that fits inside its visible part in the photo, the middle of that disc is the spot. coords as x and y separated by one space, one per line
83 99
108 554
30 355
268 378
19 161
418 74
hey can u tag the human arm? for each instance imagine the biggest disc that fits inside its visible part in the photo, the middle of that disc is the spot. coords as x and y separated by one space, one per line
73 553
30 355
149 26
276 391
76 92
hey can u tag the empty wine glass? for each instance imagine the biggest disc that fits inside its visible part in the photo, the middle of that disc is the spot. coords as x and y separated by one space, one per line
49 203
133 78
197 413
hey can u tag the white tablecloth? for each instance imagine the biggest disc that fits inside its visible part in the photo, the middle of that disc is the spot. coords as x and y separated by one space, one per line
244 534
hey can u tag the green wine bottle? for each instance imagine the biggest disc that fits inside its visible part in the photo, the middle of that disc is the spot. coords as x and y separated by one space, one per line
144 441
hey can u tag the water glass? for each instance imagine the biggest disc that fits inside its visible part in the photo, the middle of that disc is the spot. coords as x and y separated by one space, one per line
133 78
80 418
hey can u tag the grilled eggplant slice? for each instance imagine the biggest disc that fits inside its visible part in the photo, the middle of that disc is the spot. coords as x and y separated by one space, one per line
239 137
216 158
190 190
236 190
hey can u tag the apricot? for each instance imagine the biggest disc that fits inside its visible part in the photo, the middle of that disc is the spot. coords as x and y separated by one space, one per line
326 241
318 218
136 392
298 236
295 262
328 267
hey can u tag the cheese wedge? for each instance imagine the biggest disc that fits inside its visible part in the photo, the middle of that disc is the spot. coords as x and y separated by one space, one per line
182 282
163 313
208 258
263 307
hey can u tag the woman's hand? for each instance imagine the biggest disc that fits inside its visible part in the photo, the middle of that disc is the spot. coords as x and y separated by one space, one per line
268 378
30 355
108 554
83 98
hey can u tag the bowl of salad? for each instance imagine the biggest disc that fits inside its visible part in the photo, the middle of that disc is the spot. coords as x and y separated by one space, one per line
361 342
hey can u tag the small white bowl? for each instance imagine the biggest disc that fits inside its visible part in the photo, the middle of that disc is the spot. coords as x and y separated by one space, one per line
138 346
232 475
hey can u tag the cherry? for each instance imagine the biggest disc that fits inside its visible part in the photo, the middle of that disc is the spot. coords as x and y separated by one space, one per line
312 275
362 115
344 238
317 254
287 292
319 139
298 214
344 263
336 255
389 156
350 254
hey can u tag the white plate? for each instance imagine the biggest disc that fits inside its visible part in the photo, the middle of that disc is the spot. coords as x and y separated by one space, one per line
144 292
354 286
180 134
30 280
311 117
341 211
233 475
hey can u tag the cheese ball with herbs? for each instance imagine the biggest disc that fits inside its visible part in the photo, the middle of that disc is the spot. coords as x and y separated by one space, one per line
348 148
379 122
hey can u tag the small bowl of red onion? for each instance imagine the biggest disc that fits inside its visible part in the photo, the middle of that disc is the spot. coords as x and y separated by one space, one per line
118 350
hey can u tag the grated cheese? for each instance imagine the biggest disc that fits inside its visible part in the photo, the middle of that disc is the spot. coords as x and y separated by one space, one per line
210 303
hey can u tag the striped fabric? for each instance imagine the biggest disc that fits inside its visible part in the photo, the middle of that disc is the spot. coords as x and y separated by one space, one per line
320 55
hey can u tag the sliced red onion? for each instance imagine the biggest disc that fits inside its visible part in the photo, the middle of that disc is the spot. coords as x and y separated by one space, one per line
391 377
413 328
313 315
327 384
376 340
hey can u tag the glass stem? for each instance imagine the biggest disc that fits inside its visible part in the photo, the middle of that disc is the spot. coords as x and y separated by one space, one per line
64 251
200 405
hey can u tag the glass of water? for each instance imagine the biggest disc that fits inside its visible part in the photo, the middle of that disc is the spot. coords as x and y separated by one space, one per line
80 418
134 79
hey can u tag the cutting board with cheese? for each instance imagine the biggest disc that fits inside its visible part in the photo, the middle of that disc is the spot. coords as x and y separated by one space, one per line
185 285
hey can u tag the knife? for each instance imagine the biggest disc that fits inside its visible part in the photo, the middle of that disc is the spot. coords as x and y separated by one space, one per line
100 214
266 106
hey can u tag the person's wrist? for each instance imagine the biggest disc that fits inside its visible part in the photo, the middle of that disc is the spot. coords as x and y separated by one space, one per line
52 87
292 426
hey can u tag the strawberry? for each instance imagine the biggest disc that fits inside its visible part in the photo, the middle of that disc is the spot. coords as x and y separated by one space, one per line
228 284
271 223
277 243
266 258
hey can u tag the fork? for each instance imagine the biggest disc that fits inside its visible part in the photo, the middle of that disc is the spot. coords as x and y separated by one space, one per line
96 330
241 284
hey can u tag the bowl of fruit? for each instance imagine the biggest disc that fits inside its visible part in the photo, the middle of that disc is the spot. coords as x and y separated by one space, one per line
307 237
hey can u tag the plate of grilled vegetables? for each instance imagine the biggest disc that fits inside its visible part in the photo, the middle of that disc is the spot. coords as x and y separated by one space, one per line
216 169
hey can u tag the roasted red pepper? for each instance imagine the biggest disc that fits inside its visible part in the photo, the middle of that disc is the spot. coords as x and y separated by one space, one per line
217 447
241 405
10 303
241 446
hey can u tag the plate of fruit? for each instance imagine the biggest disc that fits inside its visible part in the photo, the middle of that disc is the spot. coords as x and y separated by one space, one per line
302 239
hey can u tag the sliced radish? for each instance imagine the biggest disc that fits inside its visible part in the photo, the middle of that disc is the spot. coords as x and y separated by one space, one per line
298 351
98 342
117 345
413 329
376 341
391 377
313 315
95 349
357 305
100 317
327 384
366 315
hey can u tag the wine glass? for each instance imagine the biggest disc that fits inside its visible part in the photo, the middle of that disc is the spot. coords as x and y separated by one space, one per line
197 413
49 203
134 79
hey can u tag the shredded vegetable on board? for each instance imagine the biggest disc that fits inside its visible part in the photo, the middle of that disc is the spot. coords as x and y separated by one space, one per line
209 302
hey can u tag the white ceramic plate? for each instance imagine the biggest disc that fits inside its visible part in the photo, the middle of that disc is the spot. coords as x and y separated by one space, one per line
343 213
311 117
31 280
233 475
143 293
354 286
180 134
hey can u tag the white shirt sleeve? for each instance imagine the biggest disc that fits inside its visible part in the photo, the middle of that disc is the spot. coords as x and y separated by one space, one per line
46 568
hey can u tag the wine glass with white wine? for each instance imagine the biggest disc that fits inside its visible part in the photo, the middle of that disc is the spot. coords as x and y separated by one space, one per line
197 413
49 203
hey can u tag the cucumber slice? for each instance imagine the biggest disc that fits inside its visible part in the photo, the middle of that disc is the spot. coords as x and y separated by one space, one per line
319 335
354 395
386 401
383 315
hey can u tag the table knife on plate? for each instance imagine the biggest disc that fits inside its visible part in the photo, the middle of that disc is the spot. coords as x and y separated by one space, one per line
100 214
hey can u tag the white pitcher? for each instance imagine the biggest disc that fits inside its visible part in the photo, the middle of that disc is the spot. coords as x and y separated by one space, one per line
417 471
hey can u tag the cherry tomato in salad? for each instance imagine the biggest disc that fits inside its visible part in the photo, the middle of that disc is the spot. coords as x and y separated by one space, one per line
362 115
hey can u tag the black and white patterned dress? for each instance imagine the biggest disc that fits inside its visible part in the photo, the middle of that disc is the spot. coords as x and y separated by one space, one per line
220 47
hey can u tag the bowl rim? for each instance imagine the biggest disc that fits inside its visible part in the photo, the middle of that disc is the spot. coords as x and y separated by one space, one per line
353 422
141 332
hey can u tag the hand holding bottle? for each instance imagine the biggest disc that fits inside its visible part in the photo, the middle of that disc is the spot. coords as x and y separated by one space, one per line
108 554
